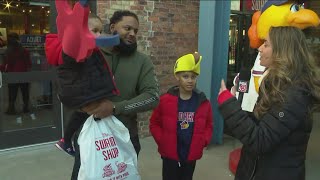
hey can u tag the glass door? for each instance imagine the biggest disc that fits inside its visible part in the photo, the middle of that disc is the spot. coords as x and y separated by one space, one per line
240 53
29 109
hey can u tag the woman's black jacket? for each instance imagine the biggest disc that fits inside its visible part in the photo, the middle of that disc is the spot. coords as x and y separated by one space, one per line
274 147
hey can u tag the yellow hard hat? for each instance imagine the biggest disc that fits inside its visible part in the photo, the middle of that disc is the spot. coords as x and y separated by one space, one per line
187 63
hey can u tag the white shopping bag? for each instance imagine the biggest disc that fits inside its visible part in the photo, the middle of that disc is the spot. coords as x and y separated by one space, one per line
106 151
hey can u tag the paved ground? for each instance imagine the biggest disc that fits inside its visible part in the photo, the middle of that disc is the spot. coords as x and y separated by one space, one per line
45 162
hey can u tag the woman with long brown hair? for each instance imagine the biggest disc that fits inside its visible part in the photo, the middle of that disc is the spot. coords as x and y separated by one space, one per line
275 137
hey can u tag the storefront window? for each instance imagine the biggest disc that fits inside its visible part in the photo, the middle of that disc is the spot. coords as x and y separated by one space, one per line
30 20
30 111
25 16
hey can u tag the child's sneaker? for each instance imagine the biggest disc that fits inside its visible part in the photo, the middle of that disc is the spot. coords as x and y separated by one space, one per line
65 147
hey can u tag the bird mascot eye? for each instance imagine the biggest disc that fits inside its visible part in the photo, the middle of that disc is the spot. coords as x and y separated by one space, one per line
294 8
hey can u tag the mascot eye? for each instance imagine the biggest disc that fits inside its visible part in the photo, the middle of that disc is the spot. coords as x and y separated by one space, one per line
294 8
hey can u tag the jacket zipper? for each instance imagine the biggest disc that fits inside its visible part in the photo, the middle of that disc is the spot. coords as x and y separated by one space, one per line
252 177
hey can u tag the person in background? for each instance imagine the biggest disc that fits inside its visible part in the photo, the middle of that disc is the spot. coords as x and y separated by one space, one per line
182 123
2 40
16 59
275 137
134 76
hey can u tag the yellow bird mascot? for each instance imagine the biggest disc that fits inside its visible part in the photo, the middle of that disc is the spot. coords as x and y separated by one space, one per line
273 13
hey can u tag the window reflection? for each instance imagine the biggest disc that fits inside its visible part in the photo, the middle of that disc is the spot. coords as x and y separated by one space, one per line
39 105
30 20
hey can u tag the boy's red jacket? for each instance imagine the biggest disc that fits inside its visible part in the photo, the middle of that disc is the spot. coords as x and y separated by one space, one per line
163 126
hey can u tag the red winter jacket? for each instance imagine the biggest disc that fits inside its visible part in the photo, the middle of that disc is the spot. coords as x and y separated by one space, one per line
16 61
163 126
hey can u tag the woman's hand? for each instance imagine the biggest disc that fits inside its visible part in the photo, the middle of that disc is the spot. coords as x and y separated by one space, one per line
222 87
233 90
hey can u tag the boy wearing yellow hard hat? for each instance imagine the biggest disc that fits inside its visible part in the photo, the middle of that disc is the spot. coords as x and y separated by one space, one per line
182 123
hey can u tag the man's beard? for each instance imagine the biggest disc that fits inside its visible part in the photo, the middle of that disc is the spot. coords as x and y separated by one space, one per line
126 49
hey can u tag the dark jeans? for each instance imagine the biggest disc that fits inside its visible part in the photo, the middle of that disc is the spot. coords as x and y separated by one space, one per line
13 92
76 166
77 119
174 170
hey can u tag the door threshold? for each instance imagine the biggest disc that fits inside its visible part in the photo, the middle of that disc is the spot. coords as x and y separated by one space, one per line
14 149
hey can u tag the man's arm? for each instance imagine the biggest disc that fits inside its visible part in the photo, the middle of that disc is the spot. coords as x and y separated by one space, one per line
147 90
147 98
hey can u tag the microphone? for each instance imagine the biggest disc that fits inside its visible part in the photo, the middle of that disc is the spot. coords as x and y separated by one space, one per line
243 83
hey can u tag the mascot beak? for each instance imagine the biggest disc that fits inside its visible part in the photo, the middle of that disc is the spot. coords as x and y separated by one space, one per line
303 18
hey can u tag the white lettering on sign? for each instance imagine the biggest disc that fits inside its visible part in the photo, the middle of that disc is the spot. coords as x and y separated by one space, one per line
34 39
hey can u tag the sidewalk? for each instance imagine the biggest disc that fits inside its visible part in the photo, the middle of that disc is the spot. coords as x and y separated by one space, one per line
49 163
46 162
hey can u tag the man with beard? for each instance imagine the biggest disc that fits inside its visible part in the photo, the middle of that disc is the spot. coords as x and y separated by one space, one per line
134 77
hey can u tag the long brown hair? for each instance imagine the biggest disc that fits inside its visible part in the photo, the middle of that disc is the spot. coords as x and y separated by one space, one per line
292 63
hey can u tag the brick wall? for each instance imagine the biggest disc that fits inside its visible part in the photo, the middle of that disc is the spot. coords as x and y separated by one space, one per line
168 30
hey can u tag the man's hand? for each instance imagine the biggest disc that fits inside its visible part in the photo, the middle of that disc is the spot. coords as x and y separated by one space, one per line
222 87
90 106
99 109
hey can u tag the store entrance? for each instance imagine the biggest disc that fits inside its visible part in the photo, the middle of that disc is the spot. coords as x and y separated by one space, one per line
29 110
240 53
